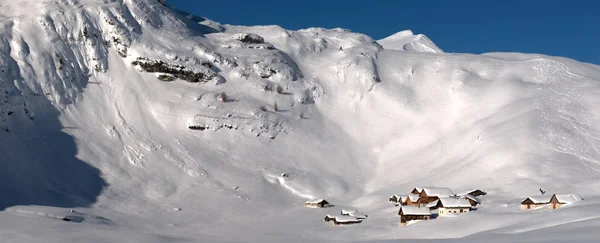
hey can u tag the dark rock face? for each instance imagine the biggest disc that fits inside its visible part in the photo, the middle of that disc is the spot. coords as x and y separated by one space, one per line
251 38
175 71
197 127
166 78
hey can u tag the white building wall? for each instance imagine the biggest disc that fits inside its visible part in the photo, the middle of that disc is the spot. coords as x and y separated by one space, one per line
444 211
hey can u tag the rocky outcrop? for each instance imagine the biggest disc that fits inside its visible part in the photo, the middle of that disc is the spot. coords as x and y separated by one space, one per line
172 71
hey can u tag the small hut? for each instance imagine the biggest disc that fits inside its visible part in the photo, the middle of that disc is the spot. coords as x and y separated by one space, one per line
409 213
557 200
343 220
318 203
535 202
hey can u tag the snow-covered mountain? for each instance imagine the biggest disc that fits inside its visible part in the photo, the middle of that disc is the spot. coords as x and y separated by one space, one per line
154 125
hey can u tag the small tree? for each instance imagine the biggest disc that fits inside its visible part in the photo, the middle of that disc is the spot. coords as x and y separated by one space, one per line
279 89
275 107
223 97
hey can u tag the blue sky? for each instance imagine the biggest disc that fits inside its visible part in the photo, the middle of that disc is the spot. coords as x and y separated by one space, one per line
552 27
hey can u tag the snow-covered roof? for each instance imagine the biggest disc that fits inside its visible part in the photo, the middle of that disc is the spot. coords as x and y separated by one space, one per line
316 201
438 192
346 219
474 198
348 211
413 210
413 197
432 204
359 215
402 197
455 203
469 191
539 199
568 198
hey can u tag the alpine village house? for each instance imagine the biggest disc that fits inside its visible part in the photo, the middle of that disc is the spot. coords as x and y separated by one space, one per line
555 201
424 203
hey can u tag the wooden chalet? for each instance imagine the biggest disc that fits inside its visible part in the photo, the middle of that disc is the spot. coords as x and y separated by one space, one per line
318 203
409 213
417 190
475 193
558 200
431 194
535 202
433 205
472 199
412 200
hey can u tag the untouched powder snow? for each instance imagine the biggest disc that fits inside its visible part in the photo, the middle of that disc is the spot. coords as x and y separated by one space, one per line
130 121
407 41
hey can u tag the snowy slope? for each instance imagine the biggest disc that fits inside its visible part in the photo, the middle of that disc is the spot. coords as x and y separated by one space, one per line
114 109
407 41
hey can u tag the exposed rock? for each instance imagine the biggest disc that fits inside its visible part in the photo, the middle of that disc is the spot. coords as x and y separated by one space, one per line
166 78
177 71
251 38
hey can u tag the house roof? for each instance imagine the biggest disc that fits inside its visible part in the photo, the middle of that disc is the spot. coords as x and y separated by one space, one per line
432 204
474 198
347 219
568 198
420 189
539 199
471 191
359 215
412 210
402 197
413 197
438 192
348 211
316 201
455 203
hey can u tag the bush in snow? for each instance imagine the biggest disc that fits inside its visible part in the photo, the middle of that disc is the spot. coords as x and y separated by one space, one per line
263 108
223 97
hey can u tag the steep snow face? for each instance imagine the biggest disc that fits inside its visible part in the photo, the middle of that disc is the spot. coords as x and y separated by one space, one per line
132 112
407 41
